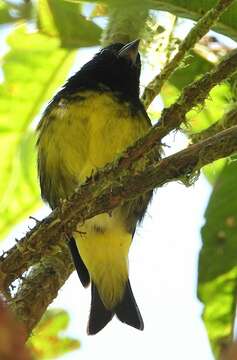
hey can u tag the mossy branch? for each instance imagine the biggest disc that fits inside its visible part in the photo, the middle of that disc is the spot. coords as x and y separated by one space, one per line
197 32
94 196
41 286
29 249
54 265
91 199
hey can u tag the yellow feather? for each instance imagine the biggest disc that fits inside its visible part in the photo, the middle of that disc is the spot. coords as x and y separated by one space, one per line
81 136
105 254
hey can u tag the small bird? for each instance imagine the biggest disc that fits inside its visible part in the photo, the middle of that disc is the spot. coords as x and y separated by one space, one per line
90 121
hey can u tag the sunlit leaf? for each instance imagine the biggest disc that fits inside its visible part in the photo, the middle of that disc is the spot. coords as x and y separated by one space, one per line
215 107
213 170
64 19
218 263
99 10
216 104
47 342
46 23
194 66
33 69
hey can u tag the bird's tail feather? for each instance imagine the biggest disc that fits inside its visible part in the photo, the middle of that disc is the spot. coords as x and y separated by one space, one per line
127 311
99 315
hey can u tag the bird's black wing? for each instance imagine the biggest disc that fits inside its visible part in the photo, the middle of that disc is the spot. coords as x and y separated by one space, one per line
79 264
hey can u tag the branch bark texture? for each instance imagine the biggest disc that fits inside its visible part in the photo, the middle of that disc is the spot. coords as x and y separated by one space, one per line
98 195
29 250
41 286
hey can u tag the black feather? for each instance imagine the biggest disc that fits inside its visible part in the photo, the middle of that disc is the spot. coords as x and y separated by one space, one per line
79 264
99 315
106 72
127 310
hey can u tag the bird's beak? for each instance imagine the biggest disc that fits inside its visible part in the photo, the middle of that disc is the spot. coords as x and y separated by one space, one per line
130 51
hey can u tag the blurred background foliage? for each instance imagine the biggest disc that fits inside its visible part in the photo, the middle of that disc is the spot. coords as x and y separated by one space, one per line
47 342
40 42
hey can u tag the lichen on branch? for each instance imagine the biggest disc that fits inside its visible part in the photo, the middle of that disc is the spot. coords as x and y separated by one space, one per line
29 250
41 286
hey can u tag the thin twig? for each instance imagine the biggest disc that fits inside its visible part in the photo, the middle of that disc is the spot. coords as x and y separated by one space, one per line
197 32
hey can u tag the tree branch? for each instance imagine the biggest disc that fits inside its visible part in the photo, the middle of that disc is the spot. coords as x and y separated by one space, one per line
41 286
43 282
51 272
35 244
105 198
197 32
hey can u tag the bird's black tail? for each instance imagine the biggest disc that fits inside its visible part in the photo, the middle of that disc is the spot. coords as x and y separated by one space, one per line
99 315
127 311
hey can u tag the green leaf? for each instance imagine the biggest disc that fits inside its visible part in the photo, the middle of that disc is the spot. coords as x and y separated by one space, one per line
215 106
47 341
200 118
214 109
64 19
218 262
213 170
194 9
194 66
217 102
33 69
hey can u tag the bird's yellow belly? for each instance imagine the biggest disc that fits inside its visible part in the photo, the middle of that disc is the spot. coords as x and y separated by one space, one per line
104 243
94 133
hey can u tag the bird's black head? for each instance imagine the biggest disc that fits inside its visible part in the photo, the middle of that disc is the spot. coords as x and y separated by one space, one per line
116 67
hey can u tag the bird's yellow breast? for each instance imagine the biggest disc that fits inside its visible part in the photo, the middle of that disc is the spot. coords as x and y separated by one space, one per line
85 134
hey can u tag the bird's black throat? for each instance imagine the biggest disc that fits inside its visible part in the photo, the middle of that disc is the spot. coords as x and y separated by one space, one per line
107 72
